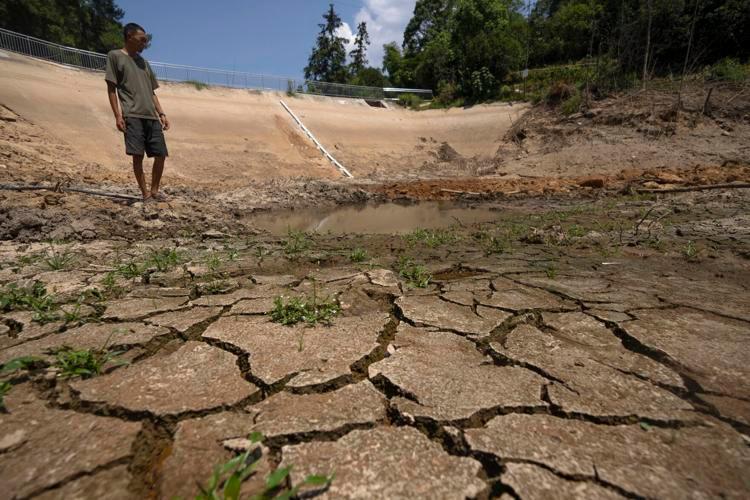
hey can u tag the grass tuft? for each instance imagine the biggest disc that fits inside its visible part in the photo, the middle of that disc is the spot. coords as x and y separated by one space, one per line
416 275
226 480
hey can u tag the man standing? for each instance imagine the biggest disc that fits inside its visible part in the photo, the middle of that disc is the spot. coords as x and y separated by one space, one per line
139 114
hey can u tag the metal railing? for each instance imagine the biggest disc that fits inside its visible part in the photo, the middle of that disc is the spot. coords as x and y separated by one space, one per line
69 56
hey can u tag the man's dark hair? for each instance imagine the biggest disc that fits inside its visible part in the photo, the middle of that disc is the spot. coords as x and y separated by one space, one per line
131 28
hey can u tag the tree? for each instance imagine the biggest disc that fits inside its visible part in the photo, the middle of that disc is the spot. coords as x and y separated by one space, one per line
85 24
370 77
430 18
328 59
359 53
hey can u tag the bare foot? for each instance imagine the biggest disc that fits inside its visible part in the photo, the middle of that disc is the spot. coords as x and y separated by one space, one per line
159 197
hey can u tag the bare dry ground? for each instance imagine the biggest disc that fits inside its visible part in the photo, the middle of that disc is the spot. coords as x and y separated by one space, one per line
589 341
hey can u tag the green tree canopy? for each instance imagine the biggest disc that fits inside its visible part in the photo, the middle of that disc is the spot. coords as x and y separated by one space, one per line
85 24
328 59
359 53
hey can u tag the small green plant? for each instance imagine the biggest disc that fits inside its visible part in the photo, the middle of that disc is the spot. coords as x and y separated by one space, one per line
416 275
213 262
22 363
576 231
130 270
197 84
164 259
358 255
430 237
26 260
308 309
232 253
226 480
690 251
31 298
296 242
213 287
111 289
84 363
495 245
304 309
5 388
551 271
57 261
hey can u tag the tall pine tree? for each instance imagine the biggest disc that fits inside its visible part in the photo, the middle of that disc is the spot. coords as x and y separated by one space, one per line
359 53
327 62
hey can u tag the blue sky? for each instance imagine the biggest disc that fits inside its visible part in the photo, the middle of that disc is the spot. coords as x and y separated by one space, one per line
259 36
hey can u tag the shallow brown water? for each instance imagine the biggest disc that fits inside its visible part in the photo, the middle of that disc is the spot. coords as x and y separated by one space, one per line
388 218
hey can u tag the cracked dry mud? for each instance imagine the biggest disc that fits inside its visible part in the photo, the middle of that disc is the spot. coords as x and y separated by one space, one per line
539 372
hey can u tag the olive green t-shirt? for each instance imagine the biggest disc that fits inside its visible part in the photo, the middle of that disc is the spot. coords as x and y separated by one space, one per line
135 83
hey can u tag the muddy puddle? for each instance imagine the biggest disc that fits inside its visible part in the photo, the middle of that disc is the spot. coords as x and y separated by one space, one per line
388 218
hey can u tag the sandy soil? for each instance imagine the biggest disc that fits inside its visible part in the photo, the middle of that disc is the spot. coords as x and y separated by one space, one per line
225 137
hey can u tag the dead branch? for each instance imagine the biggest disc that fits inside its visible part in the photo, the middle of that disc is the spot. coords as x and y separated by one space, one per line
58 188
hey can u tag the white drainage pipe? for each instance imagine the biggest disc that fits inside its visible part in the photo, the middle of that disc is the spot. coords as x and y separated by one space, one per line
328 155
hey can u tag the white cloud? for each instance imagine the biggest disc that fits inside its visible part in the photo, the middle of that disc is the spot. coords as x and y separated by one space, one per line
386 21
345 31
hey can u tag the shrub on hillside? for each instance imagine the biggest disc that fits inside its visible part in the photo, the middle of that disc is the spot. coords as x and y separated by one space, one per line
410 101
728 69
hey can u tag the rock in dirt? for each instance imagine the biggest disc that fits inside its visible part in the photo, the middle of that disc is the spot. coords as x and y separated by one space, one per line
198 447
647 461
309 355
89 336
57 445
432 311
286 413
713 349
589 379
531 481
446 153
592 182
424 369
385 463
172 384
112 484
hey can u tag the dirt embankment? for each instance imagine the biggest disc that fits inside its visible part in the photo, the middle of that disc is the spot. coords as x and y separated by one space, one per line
234 152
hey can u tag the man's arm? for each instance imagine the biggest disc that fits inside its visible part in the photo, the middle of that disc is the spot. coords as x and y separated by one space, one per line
162 115
115 105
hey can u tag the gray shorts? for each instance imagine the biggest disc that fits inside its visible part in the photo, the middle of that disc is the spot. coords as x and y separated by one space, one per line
143 135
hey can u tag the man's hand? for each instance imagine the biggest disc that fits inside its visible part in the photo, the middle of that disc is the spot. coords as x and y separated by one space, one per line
120 121
164 122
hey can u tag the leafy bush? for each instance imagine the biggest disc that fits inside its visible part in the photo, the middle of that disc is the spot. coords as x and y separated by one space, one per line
571 105
558 92
446 93
410 101
197 84
483 84
728 69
